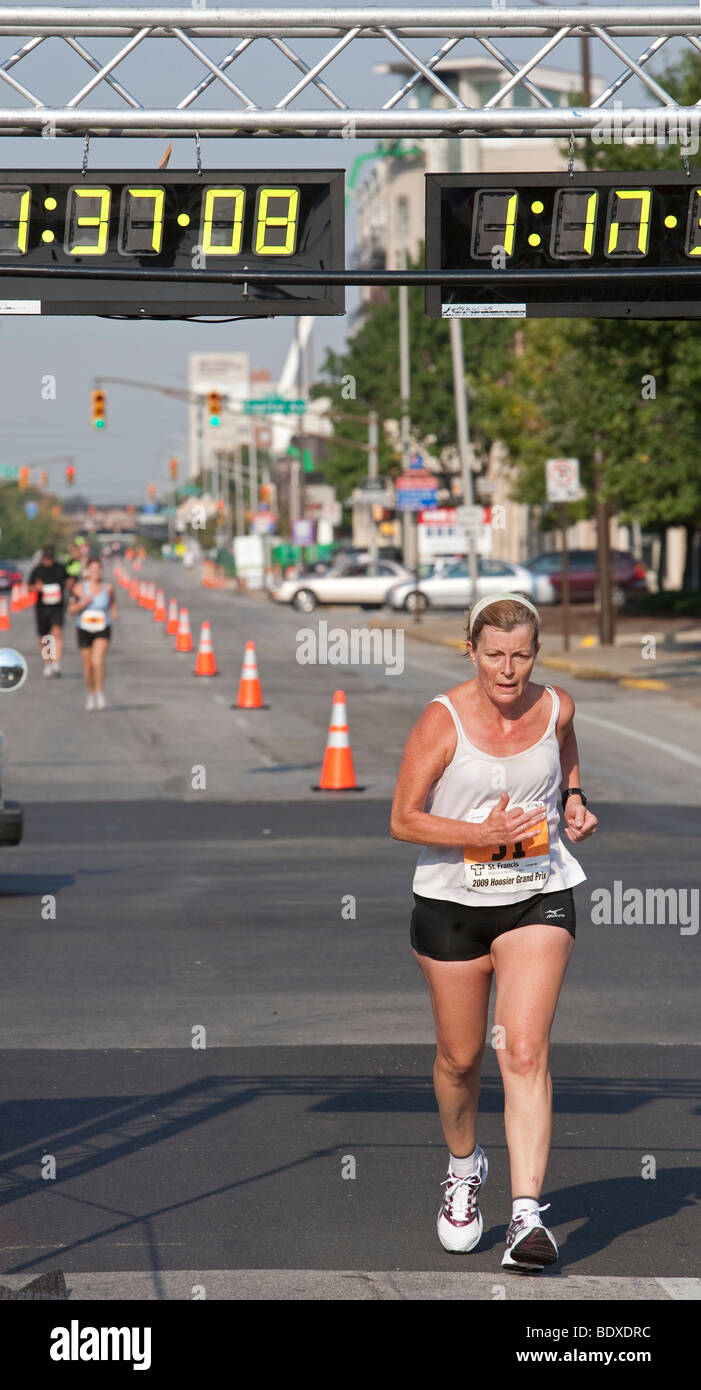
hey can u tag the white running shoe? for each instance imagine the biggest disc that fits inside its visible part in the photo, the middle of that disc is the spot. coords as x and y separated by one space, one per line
90 702
529 1244
100 701
460 1219
48 670
55 668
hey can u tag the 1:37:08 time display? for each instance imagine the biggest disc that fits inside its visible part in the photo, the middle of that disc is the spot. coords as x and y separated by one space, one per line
222 220
572 230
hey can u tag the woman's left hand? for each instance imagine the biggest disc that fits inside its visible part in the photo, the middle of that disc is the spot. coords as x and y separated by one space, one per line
579 822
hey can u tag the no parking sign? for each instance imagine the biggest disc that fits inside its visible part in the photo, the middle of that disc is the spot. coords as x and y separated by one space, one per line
562 480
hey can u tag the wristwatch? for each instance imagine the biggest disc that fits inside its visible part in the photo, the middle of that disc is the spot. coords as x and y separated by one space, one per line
573 791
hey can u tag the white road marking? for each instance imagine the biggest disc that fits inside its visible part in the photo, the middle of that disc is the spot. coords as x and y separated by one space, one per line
674 750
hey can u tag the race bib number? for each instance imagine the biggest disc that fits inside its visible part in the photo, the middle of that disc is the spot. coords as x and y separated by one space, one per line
50 593
500 868
94 621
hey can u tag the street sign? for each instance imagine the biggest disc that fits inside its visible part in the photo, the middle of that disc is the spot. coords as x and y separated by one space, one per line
9 470
562 480
274 405
471 519
303 531
415 490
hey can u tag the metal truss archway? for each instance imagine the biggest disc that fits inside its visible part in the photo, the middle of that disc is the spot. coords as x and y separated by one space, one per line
454 31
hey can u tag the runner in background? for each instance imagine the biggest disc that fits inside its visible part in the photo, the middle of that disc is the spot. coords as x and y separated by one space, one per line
48 579
93 604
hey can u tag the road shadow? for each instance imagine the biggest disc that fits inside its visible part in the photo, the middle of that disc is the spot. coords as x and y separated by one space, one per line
33 885
87 1134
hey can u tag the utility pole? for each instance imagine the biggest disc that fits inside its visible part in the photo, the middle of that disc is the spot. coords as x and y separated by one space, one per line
461 418
253 463
404 391
238 492
372 474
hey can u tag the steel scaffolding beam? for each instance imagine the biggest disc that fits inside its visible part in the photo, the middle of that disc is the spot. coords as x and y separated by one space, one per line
458 32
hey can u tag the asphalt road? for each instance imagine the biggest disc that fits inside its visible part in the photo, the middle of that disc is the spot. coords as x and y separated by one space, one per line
220 909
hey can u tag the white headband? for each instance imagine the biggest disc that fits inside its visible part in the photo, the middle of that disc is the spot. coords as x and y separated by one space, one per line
499 598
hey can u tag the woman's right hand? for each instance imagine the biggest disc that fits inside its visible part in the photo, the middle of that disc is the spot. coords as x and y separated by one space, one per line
504 827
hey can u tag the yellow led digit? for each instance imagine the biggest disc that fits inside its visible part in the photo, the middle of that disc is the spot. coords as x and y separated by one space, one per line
510 227
268 241
157 196
589 225
23 225
644 196
694 224
100 220
235 196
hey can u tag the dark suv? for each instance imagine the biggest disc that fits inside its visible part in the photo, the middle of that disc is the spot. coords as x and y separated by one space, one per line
627 574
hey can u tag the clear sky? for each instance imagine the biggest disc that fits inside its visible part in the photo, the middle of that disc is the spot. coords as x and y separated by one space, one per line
145 430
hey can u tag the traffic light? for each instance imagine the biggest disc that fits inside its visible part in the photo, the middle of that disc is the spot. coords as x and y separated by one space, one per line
70 475
214 407
43 479
265 492
23 478
173 468
99 403
152 491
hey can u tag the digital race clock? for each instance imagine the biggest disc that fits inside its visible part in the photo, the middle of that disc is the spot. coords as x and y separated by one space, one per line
141 224
546 245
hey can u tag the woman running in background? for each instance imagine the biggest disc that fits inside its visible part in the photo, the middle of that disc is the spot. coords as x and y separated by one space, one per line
93 604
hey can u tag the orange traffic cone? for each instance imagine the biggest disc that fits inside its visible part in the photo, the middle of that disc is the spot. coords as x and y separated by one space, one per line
206 664
4 615
159 607
337 773
134 589
250 693
172 623
183 641
16 598
25 597
150 596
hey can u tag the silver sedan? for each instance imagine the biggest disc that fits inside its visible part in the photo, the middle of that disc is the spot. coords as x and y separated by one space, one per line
346 583
451 588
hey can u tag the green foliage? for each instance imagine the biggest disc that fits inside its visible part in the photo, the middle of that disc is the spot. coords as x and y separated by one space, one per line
20 537
370 364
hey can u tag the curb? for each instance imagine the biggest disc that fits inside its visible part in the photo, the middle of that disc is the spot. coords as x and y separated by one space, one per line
561 663
597 673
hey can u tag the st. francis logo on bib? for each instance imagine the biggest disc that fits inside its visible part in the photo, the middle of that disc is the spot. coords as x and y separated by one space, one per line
522 864
51 593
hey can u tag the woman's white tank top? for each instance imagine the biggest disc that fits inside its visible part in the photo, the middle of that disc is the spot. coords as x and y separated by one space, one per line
469 787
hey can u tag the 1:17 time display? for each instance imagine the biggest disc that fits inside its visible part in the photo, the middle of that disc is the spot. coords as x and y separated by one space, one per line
573 225
219 220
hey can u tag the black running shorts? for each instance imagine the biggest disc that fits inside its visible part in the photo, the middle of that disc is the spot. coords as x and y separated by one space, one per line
453 931
48 615
86 639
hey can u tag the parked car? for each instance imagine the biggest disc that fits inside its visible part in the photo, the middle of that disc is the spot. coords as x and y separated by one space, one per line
349 582
9 575
451 588
628 576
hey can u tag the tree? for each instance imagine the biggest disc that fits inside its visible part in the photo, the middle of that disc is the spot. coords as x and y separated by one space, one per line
366 377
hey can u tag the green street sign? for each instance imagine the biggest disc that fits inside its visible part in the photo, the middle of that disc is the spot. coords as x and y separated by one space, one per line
190 490
274 405
9 470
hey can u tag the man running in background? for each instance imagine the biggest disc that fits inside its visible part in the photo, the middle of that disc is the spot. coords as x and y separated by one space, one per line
48 579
